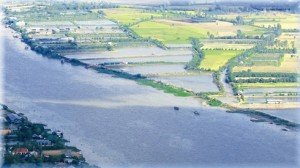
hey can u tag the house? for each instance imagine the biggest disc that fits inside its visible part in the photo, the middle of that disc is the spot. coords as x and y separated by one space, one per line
58 133
68 160
20 151
273 101
35 136
13 127
67 39
5 131
44 142
34 153
14 118
20 23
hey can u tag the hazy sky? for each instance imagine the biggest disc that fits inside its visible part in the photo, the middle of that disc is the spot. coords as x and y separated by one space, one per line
164 1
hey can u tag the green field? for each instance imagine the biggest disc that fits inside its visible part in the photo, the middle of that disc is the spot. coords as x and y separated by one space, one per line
179 32
265 19
222 45
289 64
215 59
169 33
129 15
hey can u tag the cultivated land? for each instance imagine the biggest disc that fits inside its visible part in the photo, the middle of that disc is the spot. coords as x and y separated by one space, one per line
215 59
267 85
168 33
180 32
223 45
129 15
289 63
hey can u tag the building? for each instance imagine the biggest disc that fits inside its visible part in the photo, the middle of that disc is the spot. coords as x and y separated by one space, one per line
20 151
44 142
14 118
20 23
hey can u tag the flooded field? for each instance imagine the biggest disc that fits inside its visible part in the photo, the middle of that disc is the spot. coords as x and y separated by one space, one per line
152 69
272 99
102 22
167 59
196 83
132 52
271 90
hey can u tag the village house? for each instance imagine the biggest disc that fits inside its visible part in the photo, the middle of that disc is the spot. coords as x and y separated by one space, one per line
58 133
14 118
20 151
44 142
20 23
5 132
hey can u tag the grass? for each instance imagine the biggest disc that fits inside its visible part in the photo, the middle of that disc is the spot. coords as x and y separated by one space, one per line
220 45
180 32
215 59
264 19
289 64
166 88
266 85
287 21
169 33
129 15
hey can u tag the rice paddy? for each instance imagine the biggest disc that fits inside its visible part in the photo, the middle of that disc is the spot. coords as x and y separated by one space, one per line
179 32
289 64
129 15
215 59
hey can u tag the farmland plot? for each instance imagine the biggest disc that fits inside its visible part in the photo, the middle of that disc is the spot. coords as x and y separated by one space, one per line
215 59
128 52
50 23
101 22
281 99
263 59
152 69
196 83
179 32
140 60
219 45
129 15
289 64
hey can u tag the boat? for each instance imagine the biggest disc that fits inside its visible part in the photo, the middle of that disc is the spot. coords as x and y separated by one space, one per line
257 120
26 48
196 113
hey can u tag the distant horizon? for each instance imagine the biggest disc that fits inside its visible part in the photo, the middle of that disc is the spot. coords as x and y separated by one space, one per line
161 1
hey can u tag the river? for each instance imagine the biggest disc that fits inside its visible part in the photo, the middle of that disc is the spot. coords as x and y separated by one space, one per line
118 123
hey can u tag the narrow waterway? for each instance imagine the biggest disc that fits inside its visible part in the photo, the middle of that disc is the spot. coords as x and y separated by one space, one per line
116 122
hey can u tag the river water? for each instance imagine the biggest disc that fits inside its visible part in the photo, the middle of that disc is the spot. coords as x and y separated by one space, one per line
118 123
